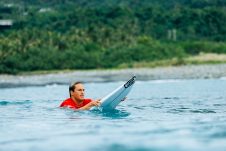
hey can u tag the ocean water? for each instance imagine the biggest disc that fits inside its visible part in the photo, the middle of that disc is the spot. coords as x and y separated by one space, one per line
159 115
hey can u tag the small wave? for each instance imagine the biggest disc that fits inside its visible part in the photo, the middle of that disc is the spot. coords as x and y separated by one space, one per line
171 98
184 109
219 104
139 107
119 147
166 81
202 111
114 114
4 103
178 110
220 134
222 78
26 140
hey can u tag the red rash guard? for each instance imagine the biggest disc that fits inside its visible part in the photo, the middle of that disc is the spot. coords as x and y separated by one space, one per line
71 104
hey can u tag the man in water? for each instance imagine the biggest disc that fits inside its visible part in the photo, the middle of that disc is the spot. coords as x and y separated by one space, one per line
77 100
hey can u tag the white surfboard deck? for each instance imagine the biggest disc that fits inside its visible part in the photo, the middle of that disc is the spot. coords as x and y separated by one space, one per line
110 101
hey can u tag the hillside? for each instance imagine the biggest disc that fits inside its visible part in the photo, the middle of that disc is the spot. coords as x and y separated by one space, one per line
82 34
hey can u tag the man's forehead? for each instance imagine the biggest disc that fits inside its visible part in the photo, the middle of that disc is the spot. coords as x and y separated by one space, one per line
79 85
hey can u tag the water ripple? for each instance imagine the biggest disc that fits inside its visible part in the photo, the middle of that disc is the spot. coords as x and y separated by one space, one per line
114 114
184 109
202 111
120 147
180 116
21 140
5 103
221 134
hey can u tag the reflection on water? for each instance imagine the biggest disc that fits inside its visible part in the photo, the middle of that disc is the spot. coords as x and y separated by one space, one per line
157 115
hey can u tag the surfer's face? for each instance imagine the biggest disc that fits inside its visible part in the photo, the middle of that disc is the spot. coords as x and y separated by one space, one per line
79 92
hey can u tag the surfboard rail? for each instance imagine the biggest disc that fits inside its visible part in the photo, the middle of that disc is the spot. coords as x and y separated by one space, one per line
110 101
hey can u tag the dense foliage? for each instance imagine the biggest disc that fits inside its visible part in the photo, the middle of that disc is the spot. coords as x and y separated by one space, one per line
84 34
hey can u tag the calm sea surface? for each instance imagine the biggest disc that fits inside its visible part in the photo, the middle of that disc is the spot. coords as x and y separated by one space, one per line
161 115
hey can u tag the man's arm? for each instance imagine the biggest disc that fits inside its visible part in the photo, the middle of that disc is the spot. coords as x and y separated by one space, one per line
90 104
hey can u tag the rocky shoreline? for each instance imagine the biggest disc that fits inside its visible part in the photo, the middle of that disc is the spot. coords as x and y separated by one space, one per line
159 73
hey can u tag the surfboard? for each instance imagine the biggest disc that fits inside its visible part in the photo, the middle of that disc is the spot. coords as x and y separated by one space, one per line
110 101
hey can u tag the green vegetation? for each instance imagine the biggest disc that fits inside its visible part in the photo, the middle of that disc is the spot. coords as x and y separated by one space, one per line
83 34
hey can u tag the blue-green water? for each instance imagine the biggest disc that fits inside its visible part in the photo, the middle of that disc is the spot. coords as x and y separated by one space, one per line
175 115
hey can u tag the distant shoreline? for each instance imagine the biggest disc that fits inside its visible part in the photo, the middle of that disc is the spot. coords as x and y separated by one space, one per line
158 73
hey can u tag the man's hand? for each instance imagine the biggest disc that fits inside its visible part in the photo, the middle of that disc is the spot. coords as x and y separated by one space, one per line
91 104
123 99
95 103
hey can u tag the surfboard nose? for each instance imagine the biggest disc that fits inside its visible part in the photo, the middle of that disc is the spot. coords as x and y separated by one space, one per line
130 82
